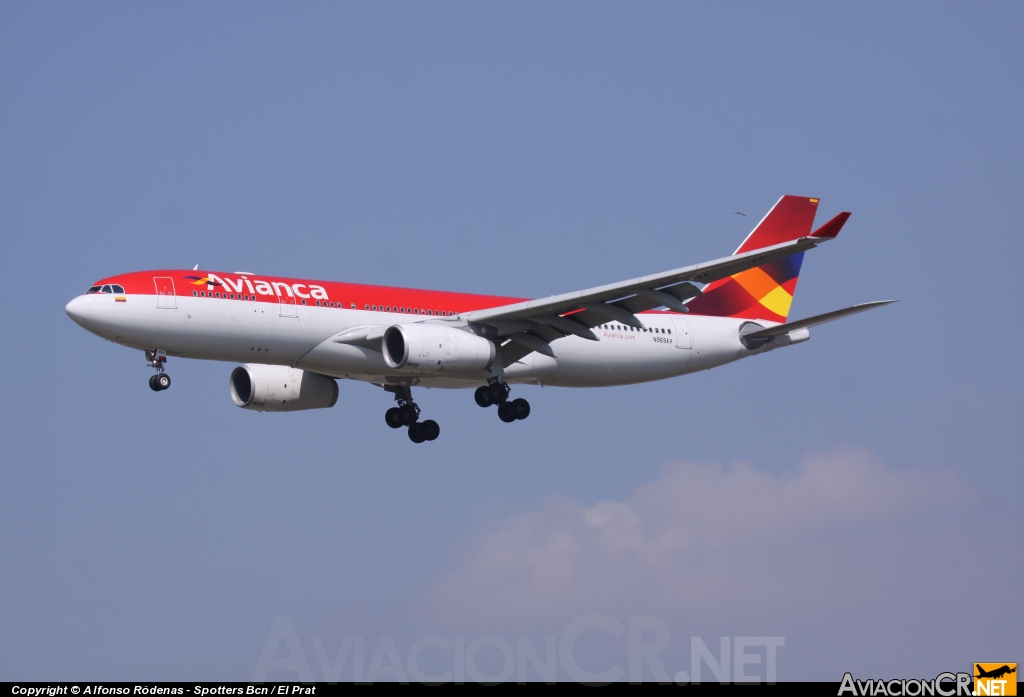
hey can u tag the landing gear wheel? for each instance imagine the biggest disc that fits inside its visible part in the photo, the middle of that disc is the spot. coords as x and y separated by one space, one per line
430 429
481 396
520 408
497 392
505 413
393 418
153 383
408 413
416 434
163 380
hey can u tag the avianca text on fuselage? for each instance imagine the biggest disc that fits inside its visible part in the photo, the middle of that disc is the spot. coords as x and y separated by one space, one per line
257 287
296 338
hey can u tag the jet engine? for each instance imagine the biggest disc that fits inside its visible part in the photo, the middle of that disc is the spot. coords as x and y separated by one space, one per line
434 348
281 388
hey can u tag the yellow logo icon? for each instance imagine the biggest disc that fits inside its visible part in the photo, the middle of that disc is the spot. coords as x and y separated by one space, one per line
995 679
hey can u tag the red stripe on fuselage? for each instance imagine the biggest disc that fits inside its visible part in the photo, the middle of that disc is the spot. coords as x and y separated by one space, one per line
141 283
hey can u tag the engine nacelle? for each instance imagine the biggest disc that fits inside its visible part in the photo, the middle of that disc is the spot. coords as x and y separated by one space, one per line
434 348
280 388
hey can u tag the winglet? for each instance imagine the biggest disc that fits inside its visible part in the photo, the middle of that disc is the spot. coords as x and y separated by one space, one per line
830 230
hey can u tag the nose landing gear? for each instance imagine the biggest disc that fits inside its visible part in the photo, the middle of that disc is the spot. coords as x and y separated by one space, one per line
407 413
496 392
156 359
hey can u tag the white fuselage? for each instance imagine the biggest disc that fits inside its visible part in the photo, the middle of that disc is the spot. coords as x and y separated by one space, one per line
255 331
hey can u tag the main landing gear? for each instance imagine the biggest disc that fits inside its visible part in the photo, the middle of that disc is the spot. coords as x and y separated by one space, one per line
407 413
496 392
161 381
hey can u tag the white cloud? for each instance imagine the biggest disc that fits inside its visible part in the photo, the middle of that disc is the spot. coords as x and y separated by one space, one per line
706 535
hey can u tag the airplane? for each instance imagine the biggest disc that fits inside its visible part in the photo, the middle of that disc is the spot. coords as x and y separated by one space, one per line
995 673
296 338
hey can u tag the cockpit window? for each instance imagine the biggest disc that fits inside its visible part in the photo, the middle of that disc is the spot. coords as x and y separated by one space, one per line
94 289
105 289
117 289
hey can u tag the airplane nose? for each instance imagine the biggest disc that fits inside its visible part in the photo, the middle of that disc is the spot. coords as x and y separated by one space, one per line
78 310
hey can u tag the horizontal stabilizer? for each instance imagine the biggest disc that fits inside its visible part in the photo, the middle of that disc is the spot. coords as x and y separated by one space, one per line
781 329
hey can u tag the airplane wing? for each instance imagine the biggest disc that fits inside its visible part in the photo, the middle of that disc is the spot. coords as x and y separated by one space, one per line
781 329
575 313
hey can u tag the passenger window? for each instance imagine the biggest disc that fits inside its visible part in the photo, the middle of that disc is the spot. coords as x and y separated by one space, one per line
195 293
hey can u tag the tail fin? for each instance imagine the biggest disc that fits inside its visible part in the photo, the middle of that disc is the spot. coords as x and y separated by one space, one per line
766 292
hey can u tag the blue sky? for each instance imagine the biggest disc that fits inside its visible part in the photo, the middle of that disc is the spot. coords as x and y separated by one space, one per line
521 149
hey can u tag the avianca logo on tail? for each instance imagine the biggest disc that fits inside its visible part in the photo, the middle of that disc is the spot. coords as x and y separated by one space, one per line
258 287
